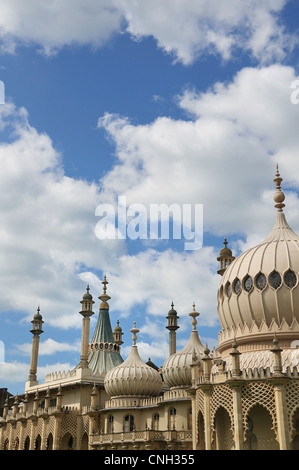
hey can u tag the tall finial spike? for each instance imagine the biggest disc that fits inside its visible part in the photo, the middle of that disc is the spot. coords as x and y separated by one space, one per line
104 297
105 282
134 331
279 196
194 314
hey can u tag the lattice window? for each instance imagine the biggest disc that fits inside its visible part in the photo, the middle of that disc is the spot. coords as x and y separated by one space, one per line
258 393
248 284
290 279
39 427
222 396
69 424
261 281
275 280
237 286
228 289
292 399
200 401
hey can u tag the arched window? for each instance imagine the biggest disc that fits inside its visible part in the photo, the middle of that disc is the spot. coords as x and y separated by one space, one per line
129 423
156 418
110 424
27 443
49 445
37 443
171 420
189 419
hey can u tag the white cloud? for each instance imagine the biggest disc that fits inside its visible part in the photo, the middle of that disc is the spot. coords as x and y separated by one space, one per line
13 373
223 157
213 26
210 26
49 347
55 24
47 228
48 248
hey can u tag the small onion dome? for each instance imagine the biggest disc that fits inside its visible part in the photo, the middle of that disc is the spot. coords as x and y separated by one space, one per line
133 377
117 328
87 295
37 316
176 369
225 250
172 312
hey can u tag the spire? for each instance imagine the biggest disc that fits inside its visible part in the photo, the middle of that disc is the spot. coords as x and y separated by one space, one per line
279 196
134 331
104 351
172 326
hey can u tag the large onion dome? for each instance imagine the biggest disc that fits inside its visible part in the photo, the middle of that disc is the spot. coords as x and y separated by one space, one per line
176 369
133 377
259 292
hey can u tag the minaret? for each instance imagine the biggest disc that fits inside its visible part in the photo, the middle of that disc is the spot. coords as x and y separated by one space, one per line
225 258
37 324
86 313
172 326
118 334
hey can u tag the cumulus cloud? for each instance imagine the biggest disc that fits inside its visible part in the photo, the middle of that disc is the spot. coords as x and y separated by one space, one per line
14 373
50 347
48 246
248 124
47 225
214 26
219 27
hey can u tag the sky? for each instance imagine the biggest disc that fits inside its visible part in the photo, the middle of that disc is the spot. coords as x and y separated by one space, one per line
182 102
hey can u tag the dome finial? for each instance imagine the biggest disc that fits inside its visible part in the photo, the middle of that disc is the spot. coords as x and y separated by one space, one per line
134 331
104 297
279 196
105 282
194 314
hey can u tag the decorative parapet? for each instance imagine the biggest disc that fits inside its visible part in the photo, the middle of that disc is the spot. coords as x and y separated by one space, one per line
140 436
132 402
65 377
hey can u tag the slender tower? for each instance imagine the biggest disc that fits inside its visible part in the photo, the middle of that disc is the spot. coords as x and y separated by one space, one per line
172 326
86 313
37 324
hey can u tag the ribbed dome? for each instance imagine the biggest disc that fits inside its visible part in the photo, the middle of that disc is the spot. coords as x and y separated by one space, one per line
176 369
260 288
133 377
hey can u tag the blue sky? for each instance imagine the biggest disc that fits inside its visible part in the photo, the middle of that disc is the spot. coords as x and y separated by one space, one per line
164 102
